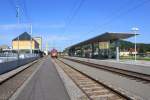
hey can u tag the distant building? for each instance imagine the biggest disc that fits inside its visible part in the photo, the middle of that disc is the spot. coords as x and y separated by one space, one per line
148 54
132 51
46 52
39 40
46 49
23 43
4 48
124 53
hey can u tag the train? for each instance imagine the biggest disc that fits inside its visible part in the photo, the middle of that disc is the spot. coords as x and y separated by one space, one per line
54 53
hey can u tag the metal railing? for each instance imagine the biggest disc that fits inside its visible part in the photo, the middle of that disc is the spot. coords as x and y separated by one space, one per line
6 57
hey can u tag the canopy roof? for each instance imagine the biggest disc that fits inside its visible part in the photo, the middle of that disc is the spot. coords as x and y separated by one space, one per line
107 36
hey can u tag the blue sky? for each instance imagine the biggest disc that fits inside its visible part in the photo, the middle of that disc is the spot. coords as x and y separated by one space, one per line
62 23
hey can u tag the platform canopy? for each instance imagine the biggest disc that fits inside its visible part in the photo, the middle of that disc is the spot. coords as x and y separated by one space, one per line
107 36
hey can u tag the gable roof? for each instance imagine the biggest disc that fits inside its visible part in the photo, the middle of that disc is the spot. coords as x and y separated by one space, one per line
23 36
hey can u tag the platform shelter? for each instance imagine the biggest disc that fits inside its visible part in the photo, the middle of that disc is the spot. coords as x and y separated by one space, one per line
104 46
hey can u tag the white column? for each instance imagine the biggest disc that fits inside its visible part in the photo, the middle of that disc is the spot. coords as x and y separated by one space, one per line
117 53
135 33
31 39
135 46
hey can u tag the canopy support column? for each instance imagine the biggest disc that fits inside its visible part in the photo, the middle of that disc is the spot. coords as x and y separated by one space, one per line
92 55
117 51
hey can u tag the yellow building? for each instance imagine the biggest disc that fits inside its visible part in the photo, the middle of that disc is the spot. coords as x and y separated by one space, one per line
39 41
24 43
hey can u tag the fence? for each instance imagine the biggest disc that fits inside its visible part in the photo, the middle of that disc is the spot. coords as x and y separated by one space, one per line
10 65
6 57
10 61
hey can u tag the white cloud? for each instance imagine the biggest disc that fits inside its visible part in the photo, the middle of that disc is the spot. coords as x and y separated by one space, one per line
14 26
49 25
27 25
59 38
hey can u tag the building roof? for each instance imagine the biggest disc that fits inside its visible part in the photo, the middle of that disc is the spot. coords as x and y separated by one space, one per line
23 36
107 36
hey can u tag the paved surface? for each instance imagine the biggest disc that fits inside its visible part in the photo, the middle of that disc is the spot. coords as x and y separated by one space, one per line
74 91
44 85
130 86
138 62
133 62
9 87
125 61
121 65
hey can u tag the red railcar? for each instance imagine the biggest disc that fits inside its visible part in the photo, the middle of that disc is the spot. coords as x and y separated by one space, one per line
54 53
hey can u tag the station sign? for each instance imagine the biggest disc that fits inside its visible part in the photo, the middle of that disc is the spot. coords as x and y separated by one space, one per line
103 45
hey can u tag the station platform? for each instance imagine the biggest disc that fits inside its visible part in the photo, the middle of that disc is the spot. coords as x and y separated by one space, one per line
136 89
45 84
138 66
128 61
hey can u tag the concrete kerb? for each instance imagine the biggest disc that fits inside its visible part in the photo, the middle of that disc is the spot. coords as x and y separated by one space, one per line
74 92
130 67
17 93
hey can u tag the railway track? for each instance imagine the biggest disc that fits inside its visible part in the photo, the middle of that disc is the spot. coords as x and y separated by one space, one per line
15 73
130 74
10 85
93 89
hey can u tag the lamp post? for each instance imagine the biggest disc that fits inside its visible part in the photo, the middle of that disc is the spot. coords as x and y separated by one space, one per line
31 38
135 33
17 8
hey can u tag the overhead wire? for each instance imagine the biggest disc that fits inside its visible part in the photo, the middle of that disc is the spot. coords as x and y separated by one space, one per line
71 11
12 4
25 14
71 17
23 10
24 7
113 18
75 9
118 10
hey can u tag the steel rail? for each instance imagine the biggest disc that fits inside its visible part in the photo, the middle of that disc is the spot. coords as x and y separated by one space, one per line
131 74
104 85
